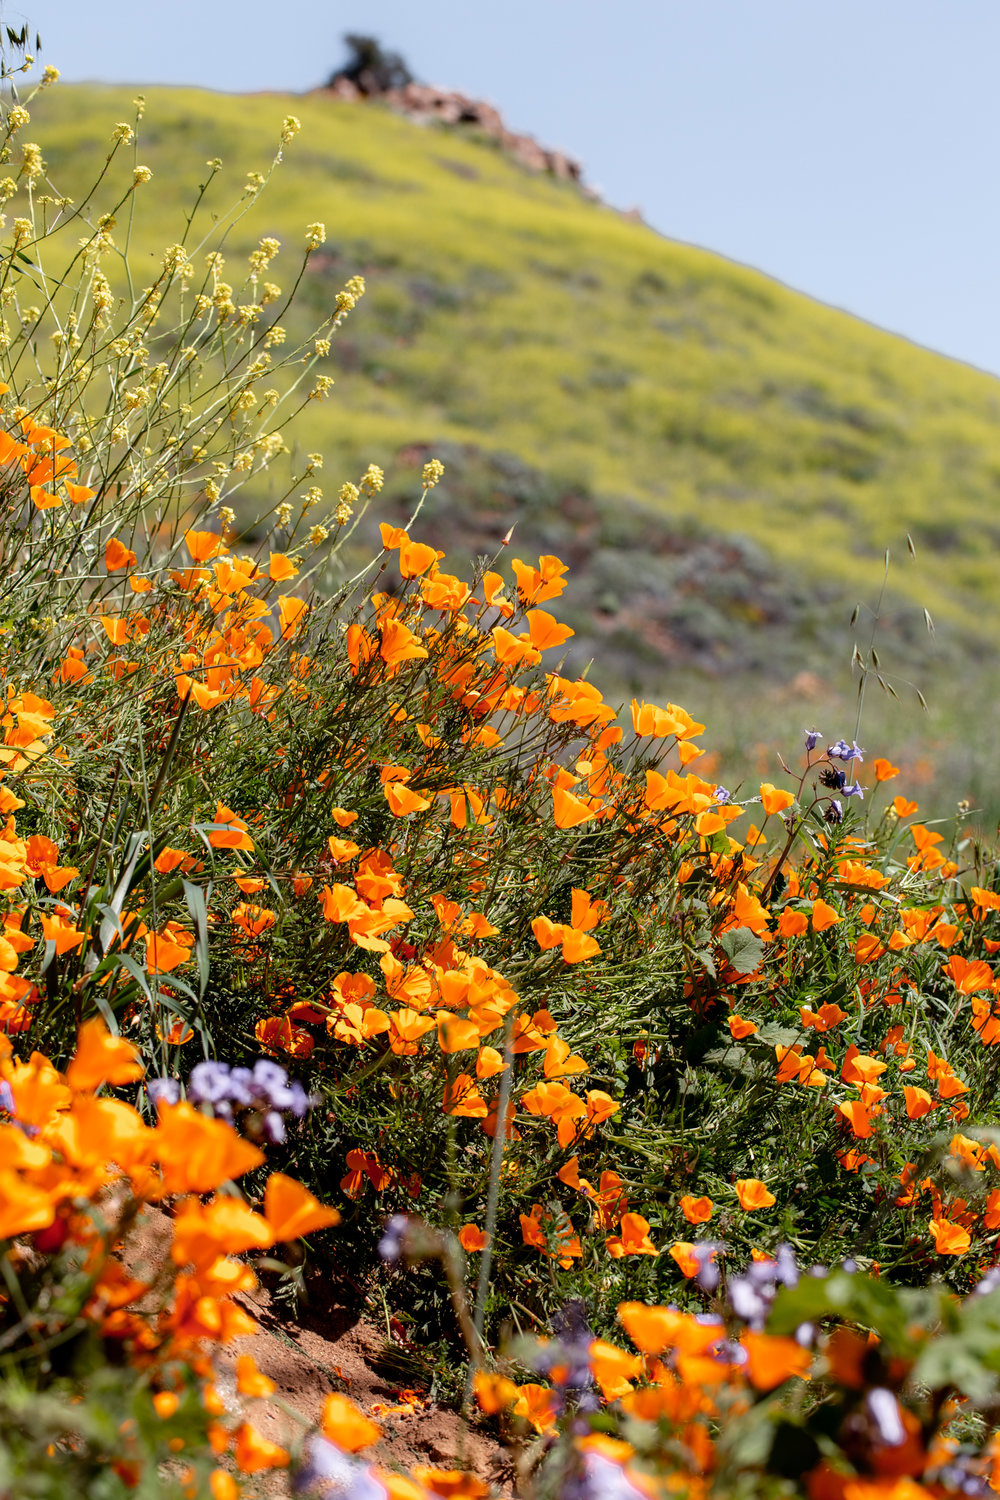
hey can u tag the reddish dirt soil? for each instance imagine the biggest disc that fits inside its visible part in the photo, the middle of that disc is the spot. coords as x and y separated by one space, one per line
329 1345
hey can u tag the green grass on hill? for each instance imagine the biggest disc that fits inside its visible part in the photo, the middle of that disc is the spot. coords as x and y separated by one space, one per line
507 311
723 461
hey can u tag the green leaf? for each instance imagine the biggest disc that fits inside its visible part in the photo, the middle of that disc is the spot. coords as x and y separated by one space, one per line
743 948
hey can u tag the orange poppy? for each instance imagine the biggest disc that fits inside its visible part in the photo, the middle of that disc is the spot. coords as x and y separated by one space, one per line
773 799
472 1238
102 1058
633 1238
771 1360
949 1239
753 1194
569 811
291 1210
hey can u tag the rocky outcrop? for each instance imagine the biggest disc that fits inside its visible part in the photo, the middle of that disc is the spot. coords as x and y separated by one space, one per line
425 103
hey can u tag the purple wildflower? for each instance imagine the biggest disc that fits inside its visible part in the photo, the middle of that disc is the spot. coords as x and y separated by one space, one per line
390 1246
209 1083
883 1408
569 1350
705 1252
342 1477
813 737
262 1094
163 1090
841 750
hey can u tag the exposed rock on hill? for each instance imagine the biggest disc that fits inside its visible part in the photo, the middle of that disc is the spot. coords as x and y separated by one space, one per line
425 103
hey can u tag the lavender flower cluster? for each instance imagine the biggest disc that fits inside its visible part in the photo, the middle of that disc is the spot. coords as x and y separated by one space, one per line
260 1096
833 778
566 1359
335 1475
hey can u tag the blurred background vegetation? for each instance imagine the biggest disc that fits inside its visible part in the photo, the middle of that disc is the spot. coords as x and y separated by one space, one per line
723 462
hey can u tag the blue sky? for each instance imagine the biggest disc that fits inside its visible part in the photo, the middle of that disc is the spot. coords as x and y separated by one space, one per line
850 149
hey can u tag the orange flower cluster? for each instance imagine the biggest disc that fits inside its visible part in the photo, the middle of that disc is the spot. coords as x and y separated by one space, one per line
72 1158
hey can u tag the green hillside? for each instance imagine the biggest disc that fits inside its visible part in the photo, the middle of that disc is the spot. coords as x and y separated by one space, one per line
724 461
508 311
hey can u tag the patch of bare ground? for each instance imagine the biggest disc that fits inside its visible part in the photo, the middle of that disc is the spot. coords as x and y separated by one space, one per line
330 1344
